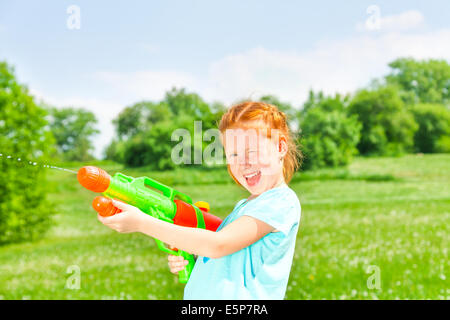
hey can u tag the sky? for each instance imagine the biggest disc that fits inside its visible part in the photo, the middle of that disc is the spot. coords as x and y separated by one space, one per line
104 56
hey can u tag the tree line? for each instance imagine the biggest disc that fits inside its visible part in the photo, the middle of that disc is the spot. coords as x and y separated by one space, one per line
406 111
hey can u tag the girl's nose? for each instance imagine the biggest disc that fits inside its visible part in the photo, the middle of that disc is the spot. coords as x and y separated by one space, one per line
243 159
247 158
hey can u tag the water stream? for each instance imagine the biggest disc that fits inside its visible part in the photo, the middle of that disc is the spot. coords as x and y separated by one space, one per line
31 163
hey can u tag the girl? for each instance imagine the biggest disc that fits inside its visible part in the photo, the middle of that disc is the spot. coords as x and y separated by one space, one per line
250 255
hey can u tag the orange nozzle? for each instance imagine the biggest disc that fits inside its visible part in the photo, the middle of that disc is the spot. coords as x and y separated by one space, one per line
93 178
104 206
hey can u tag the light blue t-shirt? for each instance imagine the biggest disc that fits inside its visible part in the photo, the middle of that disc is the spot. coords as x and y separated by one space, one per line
261 270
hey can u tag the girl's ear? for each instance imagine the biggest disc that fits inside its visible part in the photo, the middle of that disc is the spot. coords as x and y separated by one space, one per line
282 145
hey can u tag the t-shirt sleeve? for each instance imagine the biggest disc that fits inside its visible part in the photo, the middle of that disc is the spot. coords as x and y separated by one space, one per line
279 208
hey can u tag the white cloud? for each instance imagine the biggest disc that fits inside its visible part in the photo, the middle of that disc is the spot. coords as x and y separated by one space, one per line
408 20
341 65
337 66
145 84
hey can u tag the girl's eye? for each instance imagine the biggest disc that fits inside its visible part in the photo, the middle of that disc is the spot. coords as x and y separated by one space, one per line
233 155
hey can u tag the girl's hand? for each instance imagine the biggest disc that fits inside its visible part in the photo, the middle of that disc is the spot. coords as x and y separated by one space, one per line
176 263
129 220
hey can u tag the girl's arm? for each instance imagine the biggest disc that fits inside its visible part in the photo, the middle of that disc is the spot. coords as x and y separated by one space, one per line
237 235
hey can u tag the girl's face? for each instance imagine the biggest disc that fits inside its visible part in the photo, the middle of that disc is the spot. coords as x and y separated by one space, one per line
255 160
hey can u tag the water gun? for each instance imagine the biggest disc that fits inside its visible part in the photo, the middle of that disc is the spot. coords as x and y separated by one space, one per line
153 198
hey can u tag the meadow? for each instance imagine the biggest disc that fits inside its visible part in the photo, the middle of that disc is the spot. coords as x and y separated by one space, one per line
377 229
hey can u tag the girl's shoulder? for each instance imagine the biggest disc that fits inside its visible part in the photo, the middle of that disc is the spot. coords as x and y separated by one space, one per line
278 207
281 198
281 193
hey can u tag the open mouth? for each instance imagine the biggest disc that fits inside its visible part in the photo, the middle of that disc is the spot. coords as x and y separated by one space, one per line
253 178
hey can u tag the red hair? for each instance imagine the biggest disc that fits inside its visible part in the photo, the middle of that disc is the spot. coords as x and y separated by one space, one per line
273 118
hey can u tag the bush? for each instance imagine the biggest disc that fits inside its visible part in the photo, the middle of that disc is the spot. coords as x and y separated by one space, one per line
24 212
328 138
152 148
434 128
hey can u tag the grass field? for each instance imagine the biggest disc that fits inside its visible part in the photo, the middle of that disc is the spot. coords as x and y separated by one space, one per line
378 229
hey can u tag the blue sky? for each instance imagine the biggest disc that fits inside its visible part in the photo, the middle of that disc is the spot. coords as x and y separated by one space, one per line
129 51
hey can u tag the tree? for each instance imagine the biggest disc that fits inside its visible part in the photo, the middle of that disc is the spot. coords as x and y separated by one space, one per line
25 214
329 138
387 125
424 81
325 103
152 148
144 130
72 129
129 121
182 103
115 150
139 117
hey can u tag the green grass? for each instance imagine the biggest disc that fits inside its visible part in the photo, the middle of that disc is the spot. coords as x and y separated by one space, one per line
390 213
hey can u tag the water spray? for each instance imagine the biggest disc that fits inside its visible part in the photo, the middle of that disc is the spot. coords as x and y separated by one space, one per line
35 164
